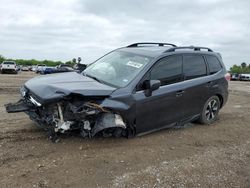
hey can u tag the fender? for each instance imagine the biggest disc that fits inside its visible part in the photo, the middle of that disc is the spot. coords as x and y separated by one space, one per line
107 120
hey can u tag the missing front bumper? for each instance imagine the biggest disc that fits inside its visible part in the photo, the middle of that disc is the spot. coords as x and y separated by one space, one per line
21 106
89 118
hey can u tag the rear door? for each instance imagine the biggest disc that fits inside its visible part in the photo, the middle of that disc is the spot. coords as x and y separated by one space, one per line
218 83
196 83
163 107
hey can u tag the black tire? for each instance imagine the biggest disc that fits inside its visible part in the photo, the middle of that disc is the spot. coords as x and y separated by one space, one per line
210 111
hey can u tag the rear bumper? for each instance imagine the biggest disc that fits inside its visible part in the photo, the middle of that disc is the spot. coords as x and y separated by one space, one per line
224 97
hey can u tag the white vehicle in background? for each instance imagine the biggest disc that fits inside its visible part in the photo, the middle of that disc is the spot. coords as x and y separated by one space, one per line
8 67
33 68
245 77
40 68
25 68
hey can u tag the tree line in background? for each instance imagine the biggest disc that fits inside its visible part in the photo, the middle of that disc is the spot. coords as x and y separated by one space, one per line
240 69
36 62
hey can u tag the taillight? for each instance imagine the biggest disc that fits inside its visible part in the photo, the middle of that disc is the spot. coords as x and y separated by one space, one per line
228 76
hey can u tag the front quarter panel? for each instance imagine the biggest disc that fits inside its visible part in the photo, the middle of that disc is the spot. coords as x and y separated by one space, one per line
123 105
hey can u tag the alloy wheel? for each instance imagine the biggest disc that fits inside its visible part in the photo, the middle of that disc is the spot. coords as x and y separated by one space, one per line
211 110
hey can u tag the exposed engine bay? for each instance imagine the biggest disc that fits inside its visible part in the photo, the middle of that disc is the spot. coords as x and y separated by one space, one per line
87 116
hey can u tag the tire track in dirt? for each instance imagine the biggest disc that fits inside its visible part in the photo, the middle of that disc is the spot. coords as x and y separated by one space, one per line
9 90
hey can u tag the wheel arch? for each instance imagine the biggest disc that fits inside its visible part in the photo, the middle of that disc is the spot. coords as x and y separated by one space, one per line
221 99
106 121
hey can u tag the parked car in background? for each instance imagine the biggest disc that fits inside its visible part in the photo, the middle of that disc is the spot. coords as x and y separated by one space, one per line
18 67
30 68
64 69
25 68
39 68
33 68
48 70
244 77
235 76
9 67
58 69
131 91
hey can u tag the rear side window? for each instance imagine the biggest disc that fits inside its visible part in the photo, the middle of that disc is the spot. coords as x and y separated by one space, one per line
168 70
194 66
213 64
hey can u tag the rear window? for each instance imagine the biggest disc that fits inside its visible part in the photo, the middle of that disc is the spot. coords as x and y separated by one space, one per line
213 64
9 63
194 66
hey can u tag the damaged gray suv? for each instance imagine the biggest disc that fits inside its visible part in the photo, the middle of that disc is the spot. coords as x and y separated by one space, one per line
130 91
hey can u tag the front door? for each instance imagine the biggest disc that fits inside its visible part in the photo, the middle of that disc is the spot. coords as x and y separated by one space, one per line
164 106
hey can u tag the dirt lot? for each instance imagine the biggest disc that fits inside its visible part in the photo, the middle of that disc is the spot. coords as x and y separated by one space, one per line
195 156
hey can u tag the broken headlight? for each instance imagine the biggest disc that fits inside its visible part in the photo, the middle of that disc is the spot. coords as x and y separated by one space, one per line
23 91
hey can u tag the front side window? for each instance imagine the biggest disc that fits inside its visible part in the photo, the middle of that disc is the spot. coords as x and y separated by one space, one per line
214 64
194 66
168 70
117 68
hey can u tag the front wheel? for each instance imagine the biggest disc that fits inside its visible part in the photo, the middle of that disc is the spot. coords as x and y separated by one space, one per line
210 111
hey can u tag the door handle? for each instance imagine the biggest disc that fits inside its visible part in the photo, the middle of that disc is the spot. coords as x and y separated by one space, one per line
179 93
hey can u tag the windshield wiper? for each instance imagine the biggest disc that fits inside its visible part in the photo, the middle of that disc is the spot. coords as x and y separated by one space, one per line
93 77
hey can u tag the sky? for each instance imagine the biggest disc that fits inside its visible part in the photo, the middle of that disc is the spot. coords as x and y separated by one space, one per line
65 29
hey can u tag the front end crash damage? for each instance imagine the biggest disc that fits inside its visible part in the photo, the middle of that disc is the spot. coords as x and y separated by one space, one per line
88 116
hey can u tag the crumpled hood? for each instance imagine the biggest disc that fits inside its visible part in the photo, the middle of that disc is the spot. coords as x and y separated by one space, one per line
56 86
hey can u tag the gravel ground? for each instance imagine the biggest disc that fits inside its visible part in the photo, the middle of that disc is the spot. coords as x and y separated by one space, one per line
194 156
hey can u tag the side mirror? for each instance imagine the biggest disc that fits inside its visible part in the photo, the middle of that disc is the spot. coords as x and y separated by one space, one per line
151 85
154 84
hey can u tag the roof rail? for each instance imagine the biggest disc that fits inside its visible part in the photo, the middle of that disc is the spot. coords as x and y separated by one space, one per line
195 48
148 43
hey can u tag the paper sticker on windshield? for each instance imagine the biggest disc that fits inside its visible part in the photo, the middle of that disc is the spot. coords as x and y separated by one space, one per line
134 64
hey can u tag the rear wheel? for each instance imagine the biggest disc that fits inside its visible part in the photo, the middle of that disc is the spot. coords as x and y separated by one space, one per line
210 111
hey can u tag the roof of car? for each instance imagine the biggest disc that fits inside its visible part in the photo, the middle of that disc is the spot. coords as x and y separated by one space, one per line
157 49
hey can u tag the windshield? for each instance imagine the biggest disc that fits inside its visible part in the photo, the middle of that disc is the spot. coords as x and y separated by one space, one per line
117 68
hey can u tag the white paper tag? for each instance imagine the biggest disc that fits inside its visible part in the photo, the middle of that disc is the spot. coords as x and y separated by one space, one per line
134 64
